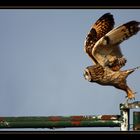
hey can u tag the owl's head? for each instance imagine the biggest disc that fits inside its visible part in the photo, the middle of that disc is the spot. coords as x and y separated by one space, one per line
94 73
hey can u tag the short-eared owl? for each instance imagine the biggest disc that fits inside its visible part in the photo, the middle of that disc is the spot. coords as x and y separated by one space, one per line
102 46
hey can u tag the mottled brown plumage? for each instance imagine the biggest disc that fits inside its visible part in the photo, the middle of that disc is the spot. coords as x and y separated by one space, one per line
105 76
102 46
102 26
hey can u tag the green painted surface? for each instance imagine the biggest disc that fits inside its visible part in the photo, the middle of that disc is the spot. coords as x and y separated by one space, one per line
136 121
60 121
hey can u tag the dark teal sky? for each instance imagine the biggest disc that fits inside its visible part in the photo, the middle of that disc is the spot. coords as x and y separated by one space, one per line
42 63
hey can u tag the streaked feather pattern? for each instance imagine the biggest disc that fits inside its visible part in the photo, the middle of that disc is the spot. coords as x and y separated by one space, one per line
102 26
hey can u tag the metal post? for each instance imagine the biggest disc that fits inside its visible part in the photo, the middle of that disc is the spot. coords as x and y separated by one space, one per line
136 121
125 114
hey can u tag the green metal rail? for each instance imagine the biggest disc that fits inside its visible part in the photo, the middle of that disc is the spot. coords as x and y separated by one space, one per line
60 121
121 120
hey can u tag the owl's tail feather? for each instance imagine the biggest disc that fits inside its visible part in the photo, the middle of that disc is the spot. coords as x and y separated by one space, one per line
132 70
136 68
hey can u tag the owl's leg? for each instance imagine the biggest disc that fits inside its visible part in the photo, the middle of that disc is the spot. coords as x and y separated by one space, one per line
130 93
110 61
121 61
115 63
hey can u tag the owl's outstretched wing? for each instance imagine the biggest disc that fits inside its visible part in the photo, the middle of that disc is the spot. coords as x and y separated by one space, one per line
106 50
101 27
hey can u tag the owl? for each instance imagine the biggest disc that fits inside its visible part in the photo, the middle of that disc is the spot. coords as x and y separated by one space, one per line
102 45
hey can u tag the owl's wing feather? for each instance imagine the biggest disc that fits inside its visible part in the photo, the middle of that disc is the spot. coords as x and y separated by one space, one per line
107 48
102 26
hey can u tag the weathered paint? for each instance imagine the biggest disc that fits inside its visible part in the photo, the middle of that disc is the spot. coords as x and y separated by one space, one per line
75 123
125 120
82 118
133 105
3 122
60 121
79 118
109 117
54 118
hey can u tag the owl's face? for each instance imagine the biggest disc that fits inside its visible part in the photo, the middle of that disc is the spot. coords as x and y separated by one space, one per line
94 73
87 75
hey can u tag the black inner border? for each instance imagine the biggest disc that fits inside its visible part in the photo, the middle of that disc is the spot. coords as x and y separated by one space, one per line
75 4
69 4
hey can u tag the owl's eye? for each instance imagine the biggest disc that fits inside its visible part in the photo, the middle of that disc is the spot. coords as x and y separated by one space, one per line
85 73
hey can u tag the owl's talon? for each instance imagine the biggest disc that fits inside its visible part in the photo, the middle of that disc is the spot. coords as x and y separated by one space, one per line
130 99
